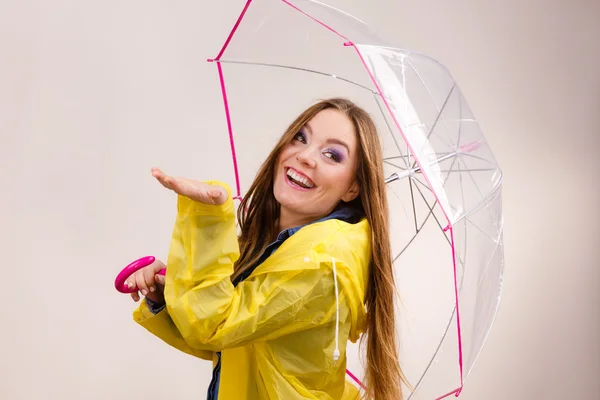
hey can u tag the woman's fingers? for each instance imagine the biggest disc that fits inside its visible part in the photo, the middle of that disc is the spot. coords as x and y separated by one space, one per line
156 266
163 179
195 190
140 282
178 185
148 282
157 173
169 182
130 282
218 195
148 274
160 281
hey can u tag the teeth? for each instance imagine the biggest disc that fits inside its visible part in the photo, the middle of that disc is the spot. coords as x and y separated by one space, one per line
299 178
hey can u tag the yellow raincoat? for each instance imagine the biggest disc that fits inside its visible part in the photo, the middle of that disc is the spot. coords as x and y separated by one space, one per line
276 330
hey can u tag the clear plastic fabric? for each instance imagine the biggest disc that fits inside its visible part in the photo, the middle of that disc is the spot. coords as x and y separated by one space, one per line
444 182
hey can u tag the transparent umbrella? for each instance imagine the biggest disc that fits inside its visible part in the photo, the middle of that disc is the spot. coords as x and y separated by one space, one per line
444 184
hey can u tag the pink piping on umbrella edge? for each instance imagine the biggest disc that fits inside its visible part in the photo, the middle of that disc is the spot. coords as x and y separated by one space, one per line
231 138
458 325
459 333
233 30
316 20
398 125
351 375
455 392
226 103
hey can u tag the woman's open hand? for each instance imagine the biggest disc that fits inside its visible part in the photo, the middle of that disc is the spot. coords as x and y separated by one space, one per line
195 190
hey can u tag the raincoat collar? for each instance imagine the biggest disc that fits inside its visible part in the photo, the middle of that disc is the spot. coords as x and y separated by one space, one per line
344 213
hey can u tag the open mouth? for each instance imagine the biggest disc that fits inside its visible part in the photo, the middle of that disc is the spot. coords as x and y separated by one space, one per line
298 179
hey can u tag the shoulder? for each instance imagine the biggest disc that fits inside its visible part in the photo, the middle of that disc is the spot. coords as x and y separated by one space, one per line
347 243
335 236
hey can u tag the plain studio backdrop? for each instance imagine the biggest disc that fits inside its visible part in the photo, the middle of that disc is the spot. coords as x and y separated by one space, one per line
93 94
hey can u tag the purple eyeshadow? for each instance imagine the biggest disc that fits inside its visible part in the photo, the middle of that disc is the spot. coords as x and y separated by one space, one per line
338 155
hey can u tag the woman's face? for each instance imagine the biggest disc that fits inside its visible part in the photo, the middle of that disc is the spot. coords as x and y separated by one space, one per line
317 169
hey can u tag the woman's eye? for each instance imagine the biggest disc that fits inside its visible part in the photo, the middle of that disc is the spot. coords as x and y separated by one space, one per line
300 137
333 156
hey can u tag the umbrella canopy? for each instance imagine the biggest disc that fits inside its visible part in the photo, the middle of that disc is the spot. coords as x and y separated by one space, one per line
444 184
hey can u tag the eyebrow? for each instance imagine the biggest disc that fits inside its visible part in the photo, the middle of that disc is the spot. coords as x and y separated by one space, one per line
331 140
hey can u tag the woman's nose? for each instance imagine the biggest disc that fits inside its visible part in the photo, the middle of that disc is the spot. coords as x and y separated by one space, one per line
306 157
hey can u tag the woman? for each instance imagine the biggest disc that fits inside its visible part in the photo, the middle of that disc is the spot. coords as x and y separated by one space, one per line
274 308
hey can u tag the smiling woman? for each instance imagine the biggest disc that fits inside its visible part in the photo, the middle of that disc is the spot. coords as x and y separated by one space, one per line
282 301
316 169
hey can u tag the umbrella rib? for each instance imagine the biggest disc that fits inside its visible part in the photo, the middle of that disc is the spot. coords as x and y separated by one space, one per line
476 157
439 346
395 157
460 112
478 189
437 350
462 191
394 165
474 208
412 196
432 213
444 157
489 262
440 110
340 11
450 170
408 151
483 200
413 237
417 228
407 245
390 130
424 185
297 69
439 115
472 170
481 230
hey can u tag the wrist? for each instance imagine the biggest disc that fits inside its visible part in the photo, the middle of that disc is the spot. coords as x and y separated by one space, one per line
155 306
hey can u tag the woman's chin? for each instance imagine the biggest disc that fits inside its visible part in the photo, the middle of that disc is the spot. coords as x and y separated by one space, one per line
288 202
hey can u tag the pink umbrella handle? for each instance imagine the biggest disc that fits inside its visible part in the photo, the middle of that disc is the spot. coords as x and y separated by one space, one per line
130 269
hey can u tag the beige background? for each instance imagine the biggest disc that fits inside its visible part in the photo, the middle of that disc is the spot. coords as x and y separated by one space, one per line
90 91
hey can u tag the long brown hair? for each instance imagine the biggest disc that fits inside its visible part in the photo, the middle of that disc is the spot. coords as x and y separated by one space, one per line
258 213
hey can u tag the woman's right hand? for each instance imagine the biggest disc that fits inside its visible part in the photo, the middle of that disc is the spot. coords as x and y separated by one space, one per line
148 282
198 191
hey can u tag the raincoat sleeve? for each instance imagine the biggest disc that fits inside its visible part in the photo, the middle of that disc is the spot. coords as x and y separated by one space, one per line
162 326
205 307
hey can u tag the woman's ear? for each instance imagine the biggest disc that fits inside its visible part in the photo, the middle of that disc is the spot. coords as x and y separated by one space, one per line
352 193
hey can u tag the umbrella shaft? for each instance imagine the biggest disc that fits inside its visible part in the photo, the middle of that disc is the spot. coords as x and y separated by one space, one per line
409 172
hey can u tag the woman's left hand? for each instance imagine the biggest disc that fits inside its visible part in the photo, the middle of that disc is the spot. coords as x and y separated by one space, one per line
195 190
